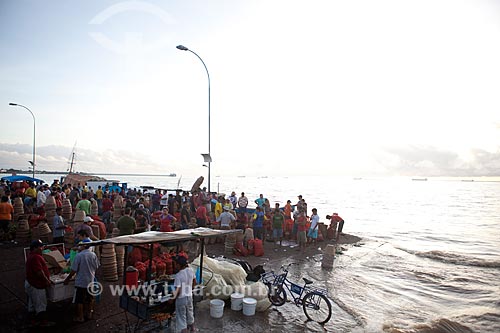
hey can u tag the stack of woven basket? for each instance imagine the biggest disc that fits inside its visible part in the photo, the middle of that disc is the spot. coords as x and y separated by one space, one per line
94 209
120 253
44 233
50 209
108 261
229 243
67 210
78 218
23 229
18 208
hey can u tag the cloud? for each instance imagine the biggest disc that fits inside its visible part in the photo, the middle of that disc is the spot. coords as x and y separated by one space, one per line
57 158
431 161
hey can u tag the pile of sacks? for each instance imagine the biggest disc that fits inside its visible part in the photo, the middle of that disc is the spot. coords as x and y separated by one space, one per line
222 278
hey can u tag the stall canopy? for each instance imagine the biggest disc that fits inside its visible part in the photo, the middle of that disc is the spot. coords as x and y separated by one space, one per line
21 178
150 237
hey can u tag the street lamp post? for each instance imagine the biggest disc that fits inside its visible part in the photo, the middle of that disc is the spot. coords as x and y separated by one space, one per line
207 157
34 132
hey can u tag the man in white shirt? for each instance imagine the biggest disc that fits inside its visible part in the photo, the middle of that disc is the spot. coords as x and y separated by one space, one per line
183 294
312 234
40 199
225 219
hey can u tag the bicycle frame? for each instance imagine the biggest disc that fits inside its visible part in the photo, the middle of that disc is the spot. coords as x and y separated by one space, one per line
295 290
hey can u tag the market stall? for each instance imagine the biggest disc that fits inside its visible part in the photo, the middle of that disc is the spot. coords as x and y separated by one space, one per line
147 306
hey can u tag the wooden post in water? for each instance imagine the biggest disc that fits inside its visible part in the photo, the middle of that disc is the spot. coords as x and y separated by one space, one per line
328 257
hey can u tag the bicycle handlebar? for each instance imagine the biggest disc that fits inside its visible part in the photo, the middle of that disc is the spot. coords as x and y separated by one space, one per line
285 267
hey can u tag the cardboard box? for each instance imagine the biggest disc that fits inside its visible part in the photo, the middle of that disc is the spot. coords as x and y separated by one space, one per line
55 259
58 292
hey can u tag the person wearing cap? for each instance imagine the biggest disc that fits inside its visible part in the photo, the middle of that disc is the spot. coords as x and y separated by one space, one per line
58 226
87 220
184 283
225 219
36 283
84 267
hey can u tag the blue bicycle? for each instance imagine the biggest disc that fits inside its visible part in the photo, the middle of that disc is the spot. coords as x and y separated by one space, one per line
314 301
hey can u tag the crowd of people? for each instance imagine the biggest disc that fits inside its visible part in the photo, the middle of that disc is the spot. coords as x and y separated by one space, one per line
144 211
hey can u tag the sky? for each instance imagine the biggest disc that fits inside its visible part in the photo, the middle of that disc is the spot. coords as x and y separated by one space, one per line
352 88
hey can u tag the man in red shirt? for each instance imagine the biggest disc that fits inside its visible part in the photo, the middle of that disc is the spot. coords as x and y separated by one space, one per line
201 216
334 220
107 206
37 280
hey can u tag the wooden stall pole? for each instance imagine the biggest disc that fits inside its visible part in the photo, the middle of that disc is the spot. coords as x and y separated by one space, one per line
150 267
201 259
125 265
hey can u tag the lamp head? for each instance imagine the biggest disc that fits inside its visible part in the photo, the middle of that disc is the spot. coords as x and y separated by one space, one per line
12 104
182 48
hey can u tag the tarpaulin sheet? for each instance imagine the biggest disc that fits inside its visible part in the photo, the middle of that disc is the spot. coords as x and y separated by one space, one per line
149 237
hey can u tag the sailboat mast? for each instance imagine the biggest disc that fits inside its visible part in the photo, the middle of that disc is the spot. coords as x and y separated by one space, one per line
72 160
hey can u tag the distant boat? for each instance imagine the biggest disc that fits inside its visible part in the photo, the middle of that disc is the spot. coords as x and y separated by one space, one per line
241 176
172 175
467 180
419 179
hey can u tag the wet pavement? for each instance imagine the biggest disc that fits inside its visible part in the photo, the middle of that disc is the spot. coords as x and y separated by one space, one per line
109 317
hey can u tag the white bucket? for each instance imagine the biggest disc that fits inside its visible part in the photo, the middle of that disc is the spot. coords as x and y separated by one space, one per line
237 301
216 308
249 305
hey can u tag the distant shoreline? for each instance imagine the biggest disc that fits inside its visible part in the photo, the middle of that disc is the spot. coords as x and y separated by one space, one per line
81 173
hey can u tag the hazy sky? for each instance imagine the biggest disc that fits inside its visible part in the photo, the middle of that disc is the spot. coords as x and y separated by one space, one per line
297 87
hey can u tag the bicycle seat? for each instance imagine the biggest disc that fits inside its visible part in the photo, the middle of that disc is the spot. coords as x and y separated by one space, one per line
307 281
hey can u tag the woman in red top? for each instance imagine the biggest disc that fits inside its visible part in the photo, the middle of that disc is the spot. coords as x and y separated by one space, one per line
6 211
166 220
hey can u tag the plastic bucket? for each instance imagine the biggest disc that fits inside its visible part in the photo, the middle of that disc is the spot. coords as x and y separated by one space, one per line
237 301
216 308
249 305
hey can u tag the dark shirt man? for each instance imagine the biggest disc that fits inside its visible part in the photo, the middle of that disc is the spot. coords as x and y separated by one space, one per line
185 215
126 223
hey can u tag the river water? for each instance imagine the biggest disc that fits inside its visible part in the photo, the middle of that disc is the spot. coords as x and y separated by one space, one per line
430 258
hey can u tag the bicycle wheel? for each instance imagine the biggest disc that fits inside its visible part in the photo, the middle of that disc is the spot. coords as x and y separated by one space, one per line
277 295
317 307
